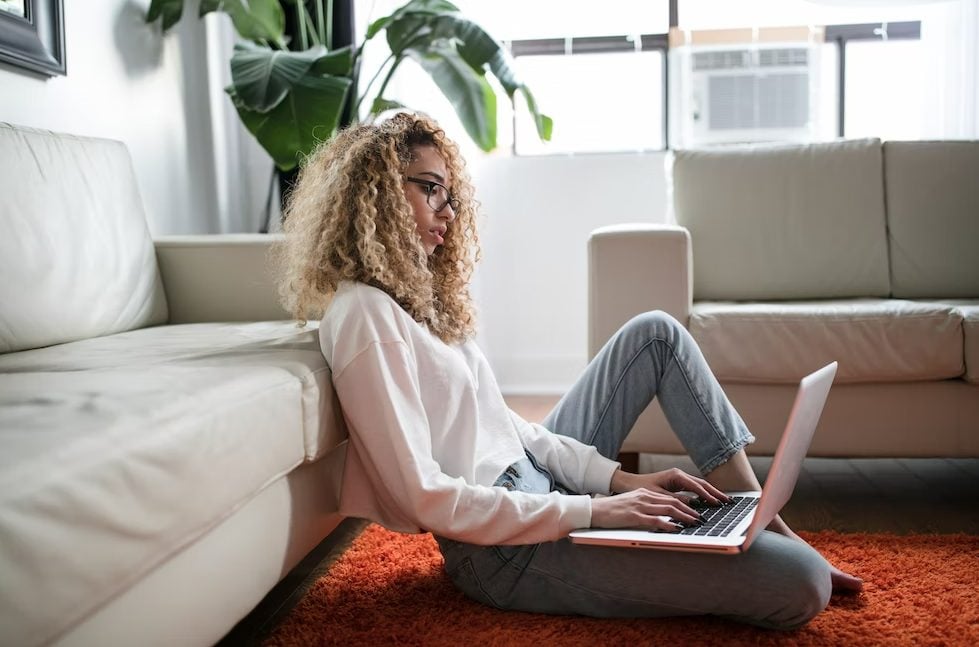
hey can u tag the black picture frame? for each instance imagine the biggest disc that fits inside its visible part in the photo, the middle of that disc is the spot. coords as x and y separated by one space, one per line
35 41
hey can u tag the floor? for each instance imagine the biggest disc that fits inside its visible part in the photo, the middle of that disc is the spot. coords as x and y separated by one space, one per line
926 495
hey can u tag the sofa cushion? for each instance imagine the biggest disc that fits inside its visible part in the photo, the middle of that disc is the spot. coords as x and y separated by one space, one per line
273 344
933 218
102 473
874 340
969 309
970 329
784 222
76 257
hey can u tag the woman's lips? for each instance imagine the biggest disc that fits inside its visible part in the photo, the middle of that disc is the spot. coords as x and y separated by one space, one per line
437 235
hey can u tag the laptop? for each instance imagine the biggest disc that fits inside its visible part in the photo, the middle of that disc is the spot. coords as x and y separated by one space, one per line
731 528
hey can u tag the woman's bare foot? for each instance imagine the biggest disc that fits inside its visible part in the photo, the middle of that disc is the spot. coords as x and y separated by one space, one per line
844 582
736 474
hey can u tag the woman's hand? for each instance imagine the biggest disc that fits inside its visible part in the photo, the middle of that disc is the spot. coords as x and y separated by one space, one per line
642 508
669 482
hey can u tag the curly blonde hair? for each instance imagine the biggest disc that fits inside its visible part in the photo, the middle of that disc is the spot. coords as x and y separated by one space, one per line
348 219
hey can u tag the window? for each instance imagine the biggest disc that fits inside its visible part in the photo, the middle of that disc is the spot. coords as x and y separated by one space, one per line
604 93
635 75
895 71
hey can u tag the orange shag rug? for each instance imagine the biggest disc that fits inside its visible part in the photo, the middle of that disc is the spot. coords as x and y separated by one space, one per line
389 588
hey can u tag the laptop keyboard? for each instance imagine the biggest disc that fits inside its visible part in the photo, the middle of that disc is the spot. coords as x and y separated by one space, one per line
719 521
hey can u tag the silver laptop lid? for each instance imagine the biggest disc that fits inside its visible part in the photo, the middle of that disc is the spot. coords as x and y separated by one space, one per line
792 448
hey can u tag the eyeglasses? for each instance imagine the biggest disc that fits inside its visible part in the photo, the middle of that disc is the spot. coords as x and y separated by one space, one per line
437 195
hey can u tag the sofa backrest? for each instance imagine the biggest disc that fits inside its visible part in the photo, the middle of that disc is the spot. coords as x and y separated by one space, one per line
76 257
932 193
784 221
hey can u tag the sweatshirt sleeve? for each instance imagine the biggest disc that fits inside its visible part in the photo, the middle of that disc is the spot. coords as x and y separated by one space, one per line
570 461
379 392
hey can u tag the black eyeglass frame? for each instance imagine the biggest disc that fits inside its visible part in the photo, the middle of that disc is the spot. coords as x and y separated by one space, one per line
431 184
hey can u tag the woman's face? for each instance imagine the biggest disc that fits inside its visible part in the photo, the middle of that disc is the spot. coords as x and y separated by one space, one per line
425 187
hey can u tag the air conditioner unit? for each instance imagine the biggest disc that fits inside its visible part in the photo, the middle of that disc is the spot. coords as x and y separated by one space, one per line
748 94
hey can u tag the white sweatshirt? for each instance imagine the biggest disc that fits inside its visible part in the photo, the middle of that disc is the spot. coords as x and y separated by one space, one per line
430 433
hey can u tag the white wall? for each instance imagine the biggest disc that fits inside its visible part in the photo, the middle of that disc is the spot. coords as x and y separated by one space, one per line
532 285
127 82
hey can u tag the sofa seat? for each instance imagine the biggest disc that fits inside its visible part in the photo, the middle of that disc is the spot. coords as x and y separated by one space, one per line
875 340
970 329
108 443
269 343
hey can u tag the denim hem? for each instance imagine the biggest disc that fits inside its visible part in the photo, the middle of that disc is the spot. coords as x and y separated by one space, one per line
725 455
728 449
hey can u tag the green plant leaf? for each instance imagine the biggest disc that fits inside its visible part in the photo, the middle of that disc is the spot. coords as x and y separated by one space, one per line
544 124
407 30
380 105
474 44
425 6
411 20
262 76
433 7
470 94
169 10
307 115
256 20
375 27
499 65
479 50
337 62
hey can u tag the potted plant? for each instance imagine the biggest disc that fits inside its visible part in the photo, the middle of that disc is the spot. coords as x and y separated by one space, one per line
291 93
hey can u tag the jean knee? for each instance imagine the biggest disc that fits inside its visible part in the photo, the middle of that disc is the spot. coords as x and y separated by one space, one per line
807 592
655 324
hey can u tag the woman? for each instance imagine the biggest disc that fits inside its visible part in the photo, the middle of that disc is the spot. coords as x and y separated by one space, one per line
381 241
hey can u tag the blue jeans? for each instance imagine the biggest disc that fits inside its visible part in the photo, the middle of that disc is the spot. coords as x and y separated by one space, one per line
778 583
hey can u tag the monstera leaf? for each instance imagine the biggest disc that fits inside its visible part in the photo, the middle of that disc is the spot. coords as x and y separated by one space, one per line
257 20
457 53
289 101
262 77
169 10
471 95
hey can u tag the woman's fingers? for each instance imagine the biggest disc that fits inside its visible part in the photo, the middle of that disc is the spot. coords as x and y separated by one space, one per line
663 524
708 492
677 480
643 508
654 504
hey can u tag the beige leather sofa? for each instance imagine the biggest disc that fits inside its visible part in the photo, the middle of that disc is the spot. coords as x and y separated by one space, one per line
166 434
784 258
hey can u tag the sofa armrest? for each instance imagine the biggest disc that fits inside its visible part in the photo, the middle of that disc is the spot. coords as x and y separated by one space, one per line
635 268
224 277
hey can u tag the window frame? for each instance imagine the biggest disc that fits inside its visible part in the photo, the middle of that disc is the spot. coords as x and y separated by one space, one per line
839 35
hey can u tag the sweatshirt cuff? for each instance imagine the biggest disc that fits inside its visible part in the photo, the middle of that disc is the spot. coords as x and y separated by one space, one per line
578 512
598 474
